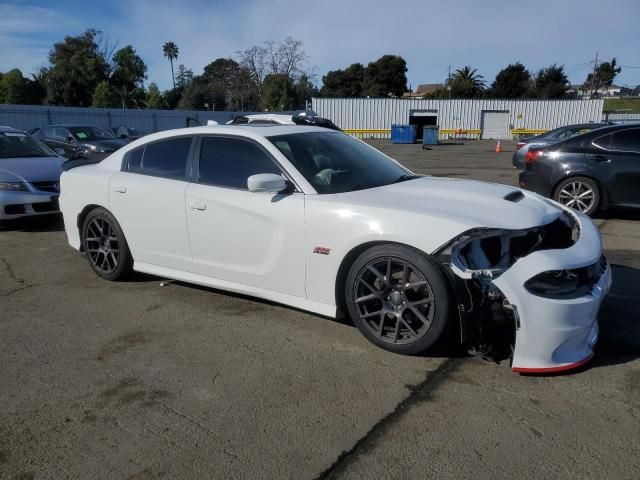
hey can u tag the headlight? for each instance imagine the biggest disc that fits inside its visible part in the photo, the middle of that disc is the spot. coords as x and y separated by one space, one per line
92 148
14 186
566 283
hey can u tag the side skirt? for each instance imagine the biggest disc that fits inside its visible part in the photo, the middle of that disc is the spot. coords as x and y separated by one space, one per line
283 298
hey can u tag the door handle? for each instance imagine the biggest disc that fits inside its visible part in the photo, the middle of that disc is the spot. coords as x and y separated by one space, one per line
198 206
600 158
120 189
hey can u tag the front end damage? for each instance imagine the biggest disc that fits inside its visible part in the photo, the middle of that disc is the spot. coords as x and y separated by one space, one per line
542 285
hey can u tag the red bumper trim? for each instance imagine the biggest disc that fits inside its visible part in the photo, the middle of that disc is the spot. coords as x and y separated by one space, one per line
562 368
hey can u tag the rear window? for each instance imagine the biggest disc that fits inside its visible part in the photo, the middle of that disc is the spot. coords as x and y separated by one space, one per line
626 140
167 158
134 160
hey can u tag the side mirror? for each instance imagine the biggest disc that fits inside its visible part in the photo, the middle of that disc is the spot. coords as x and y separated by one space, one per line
124 135
70 139
266 182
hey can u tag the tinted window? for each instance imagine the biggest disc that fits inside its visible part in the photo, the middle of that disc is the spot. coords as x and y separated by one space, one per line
228 162
627 140
60 132
603 142
48 131
134 159
167 158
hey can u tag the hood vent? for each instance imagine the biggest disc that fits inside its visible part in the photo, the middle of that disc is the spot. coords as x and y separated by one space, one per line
514 196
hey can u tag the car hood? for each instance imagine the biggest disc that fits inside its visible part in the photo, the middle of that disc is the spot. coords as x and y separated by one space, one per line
112 144
470 203
30 169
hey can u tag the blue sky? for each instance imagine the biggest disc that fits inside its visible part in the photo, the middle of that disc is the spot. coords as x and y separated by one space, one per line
430 35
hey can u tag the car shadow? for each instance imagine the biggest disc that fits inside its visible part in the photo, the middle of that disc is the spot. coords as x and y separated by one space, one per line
40 223
618 214
619 320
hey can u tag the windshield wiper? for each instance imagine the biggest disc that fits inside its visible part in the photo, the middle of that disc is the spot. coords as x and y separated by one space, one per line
404 178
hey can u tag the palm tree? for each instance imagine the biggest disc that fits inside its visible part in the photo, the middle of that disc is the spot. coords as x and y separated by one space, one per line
170 50
467 82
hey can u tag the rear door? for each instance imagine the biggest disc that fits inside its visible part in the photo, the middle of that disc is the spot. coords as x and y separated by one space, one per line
617 164
250 238
147 199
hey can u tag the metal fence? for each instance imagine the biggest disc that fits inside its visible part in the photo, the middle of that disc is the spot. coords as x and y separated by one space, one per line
27 117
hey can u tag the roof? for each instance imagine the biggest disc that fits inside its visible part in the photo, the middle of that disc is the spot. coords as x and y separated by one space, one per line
258 129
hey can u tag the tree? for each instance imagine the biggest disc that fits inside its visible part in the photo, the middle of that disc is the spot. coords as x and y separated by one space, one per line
386 76
17 89
155 99
170 51
184 77
278 93
286 58
344 83
104 96
466 82
126 78
304 91
603 77
551 82
77 67
513 81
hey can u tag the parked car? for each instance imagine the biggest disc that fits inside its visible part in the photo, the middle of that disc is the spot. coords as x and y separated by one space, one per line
315 219
86 141
283 119
547 138
599 169
126 133
29 175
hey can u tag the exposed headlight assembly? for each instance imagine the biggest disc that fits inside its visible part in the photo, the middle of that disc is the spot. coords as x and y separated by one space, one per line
14 186
566 283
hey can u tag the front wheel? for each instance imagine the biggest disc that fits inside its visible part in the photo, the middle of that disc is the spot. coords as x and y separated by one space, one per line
105 245
398 297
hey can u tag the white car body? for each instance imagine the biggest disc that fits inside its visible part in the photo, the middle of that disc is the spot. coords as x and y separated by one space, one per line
173 230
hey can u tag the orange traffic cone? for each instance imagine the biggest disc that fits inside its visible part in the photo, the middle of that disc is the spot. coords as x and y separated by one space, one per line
498 147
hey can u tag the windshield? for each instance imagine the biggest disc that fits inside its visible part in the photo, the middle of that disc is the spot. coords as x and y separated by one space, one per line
334 162
91 133
18 144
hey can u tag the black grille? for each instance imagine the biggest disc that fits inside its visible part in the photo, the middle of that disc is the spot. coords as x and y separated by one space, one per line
14 209
42 207
49 186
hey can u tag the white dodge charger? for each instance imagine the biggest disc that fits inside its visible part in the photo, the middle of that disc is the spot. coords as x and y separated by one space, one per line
320 221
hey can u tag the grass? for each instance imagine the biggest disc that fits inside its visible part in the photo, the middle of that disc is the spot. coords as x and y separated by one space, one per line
629 105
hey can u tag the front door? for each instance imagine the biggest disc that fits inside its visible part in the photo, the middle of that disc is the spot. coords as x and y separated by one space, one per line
250 238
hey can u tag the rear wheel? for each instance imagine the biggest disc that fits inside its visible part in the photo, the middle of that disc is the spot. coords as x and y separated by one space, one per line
106 248
579 193
398 297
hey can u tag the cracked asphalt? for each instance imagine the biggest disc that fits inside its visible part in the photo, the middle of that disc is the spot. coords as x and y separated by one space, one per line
138 380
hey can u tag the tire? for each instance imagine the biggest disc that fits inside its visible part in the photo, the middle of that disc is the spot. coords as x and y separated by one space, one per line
106 246
405 312
579 193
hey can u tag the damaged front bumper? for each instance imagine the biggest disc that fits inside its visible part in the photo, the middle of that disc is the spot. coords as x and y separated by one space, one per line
554 330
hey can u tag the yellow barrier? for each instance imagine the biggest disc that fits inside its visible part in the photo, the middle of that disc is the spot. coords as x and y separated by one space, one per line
371 132
516 132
